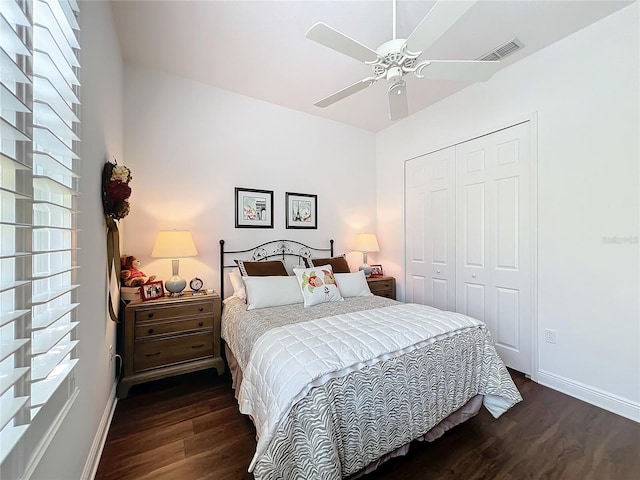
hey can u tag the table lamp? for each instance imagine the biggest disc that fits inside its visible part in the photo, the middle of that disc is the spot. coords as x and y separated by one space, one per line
366 242
174 244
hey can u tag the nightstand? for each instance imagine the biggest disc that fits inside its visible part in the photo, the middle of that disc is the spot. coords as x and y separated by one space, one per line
170 336
383 286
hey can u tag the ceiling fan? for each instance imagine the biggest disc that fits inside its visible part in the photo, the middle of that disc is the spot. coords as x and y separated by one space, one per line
398 57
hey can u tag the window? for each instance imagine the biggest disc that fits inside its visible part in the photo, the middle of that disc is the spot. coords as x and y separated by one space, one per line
38 194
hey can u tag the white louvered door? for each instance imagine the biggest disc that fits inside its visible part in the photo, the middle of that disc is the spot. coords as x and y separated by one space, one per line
482 261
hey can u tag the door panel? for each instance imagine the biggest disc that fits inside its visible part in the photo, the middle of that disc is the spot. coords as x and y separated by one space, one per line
507 223
493 241
416 207
474 305
440 293
474 225
439 215
416 289
508 315
468 234
508 152
430 229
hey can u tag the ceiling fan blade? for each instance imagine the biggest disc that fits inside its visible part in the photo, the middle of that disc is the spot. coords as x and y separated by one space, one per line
398 105
464 70
436 22
345 92
332 38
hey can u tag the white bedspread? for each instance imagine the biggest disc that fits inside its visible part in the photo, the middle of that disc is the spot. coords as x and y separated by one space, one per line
286 362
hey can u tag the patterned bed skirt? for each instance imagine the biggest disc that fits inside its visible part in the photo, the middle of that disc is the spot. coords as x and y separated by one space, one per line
291 454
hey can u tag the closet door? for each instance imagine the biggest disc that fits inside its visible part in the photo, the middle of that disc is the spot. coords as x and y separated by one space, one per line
430 229
493 236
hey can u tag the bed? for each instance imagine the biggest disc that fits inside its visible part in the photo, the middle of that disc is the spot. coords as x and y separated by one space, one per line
336 388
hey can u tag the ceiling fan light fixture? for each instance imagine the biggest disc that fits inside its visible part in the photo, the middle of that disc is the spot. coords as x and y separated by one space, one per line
395 58
394 74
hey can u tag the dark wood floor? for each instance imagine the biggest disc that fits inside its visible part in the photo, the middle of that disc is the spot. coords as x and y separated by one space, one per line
189 428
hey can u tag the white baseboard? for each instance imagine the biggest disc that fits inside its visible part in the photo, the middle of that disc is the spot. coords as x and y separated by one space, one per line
594 396
93 460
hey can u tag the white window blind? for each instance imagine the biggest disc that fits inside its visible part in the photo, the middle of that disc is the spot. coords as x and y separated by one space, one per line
38 192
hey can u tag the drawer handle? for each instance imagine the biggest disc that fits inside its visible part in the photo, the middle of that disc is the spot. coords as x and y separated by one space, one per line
197 346
201 309
150 315
152 354
200 324
150 331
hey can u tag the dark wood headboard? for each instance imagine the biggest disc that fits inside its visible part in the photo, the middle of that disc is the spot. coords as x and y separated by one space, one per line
281 249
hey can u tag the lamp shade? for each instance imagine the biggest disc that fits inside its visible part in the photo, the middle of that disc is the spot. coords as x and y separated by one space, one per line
367 242
174 244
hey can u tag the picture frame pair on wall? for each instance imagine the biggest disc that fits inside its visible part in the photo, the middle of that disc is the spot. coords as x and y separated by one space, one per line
254 209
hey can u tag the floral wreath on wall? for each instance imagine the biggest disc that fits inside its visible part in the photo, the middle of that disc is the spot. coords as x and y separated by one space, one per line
116 190
115 202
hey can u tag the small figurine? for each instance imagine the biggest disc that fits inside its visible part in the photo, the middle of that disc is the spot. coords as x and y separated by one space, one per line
130 275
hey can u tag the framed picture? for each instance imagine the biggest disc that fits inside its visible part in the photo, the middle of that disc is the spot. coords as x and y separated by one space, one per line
376 271
254 208
151 290
301 210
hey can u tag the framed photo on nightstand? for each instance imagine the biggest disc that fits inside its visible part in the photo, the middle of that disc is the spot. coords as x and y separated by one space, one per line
151 290
376 271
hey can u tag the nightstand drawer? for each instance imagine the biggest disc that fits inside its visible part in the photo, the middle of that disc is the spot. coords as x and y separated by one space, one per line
158 353
145 330
383 286
383 293
159 312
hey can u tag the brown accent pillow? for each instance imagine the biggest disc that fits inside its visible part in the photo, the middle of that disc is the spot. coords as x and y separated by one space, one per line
267 268
338 264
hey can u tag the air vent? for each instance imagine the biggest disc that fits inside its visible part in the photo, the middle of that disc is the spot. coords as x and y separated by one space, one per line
491 57
503 50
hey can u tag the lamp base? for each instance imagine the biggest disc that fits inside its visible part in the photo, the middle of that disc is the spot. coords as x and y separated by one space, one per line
366 269
175 285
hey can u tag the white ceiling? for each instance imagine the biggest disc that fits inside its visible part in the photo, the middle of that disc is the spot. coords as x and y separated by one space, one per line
259 49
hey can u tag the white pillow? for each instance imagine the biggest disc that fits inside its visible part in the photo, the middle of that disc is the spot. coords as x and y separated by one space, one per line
236 283
353 284
318 285
271 291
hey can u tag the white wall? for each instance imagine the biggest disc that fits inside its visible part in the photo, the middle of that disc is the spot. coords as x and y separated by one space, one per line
585 92
75 446
189 145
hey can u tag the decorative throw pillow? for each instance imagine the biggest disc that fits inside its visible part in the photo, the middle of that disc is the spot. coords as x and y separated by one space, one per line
339 264
237 284
353 284
271 291
264 268
318 285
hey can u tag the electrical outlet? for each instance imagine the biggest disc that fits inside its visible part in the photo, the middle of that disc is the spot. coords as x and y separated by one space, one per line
550 336
110 353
